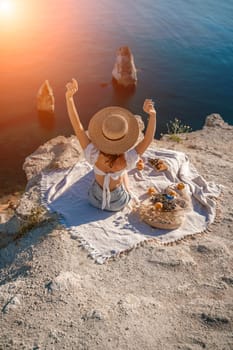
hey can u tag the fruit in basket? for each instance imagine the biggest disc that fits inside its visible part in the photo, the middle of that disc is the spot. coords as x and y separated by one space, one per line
158 206
172 193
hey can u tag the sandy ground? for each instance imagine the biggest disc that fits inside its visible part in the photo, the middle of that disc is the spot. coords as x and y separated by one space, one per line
52 296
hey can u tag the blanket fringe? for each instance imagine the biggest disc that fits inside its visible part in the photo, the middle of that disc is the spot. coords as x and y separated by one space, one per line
101 259
187 238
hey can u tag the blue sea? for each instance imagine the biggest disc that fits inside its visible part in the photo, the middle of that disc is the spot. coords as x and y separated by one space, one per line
183 51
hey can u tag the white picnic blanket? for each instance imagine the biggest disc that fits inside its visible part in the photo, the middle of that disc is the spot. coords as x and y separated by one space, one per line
106 234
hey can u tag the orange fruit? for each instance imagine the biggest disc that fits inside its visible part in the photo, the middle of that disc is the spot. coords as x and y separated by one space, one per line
158 205
151 191
180 186
172 193
140 165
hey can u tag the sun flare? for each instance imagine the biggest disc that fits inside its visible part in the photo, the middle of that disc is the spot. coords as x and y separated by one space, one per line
6 7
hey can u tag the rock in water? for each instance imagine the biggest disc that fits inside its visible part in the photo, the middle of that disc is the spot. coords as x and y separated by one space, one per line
124 72
45 98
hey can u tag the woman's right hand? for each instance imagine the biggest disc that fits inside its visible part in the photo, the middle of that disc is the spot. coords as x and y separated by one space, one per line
71 88
148 107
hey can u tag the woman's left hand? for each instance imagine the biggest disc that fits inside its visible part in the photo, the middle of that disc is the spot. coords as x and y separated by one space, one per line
72 88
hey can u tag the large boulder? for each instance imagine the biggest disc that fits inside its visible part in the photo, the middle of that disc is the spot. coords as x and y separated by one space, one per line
124 72
214 120
58 153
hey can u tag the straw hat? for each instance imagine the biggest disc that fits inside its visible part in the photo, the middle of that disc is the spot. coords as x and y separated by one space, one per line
114 130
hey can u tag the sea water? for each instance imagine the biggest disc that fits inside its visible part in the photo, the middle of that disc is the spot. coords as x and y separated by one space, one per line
183 51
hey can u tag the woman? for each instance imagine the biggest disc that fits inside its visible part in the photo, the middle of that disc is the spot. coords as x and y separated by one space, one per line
112 146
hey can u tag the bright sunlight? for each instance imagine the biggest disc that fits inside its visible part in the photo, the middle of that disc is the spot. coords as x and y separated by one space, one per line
6 8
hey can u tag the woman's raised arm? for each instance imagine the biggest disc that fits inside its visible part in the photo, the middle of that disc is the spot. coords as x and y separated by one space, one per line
148 107
72 88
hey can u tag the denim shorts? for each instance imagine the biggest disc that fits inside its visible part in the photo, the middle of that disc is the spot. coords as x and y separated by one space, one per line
119 197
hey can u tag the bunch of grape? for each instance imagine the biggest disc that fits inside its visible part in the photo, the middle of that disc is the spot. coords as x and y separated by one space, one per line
169 202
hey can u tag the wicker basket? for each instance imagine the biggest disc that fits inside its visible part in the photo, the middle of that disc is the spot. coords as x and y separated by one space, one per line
168 220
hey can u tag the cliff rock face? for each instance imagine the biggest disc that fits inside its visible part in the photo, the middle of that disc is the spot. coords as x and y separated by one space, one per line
45 98
124 72
180 297
58 153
